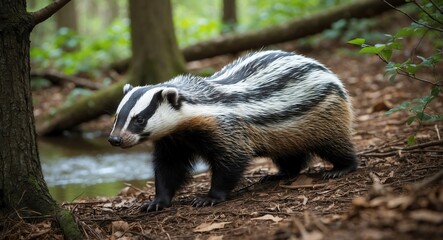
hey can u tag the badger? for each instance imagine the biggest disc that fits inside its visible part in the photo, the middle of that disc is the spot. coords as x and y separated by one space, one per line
273 104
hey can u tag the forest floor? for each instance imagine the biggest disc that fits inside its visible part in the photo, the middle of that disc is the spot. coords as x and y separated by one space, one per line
391 195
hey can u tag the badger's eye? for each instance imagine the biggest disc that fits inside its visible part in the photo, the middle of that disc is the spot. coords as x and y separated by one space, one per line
139 120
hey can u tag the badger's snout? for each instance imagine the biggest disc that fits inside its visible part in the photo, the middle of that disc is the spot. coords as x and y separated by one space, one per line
115 140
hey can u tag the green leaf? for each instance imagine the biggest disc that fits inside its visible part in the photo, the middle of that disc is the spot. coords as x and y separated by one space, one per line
424 116
411 140
392 78
373 49
427 62
417 109
400 107
410 120
394 45
404 32
391 70
411 68
386 54
438 117
357 41
436 90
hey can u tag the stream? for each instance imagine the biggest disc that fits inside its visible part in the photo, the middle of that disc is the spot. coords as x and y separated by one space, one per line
87 166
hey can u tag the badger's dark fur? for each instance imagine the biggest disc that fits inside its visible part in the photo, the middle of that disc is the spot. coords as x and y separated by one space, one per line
267 104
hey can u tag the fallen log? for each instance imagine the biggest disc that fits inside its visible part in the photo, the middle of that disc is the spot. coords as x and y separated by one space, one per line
59 79
85 109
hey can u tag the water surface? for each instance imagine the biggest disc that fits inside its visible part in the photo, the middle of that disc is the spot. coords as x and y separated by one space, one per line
88 166
78 167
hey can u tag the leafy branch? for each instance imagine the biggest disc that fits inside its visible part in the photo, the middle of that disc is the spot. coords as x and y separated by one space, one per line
429 27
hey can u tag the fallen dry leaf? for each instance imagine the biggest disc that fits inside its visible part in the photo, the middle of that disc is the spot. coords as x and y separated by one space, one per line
427 216
360 202
402 202
120 226
304 198
215 237
268 217
206 227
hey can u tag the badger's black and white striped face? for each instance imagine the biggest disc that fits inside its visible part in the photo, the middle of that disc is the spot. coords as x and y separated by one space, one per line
144 113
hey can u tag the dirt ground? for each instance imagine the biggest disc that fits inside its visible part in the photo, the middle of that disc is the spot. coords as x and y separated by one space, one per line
391 196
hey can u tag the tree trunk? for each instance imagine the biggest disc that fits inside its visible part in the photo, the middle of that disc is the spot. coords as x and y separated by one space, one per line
22 187
156 58
229 17
155 53
22 184
112 13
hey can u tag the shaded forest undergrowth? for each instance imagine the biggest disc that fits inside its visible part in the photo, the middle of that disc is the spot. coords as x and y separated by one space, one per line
389 196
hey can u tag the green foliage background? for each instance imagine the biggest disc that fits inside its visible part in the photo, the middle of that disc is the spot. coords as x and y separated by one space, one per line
427 26
97 44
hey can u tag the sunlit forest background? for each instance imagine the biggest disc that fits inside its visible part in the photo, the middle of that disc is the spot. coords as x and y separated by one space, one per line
86 38
389 60
101 35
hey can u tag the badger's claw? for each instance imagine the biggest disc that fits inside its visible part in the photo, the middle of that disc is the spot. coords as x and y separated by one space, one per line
205 201
337 172
154 206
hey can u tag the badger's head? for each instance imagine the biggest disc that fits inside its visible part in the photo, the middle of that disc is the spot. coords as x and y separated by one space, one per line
145 113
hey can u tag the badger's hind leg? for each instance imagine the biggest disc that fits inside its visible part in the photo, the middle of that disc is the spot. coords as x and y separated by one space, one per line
341 155
289 166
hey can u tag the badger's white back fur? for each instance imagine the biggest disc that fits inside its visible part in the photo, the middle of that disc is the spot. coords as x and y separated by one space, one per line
269 103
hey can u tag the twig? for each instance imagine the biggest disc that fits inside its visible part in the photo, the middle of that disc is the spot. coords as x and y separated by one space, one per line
319 224
301 228
405 73
405 149
59 78
46 12
92 231
133 187
427 181
425 145
135 217
144 236
380 155
427 13
436 6
84 203
410 17
303 186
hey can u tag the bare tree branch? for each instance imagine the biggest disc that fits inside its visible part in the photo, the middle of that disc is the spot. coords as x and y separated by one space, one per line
413 19
46 12
436 6
427 13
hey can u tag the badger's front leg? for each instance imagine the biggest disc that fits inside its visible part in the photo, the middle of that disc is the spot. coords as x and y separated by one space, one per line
226 172
172 167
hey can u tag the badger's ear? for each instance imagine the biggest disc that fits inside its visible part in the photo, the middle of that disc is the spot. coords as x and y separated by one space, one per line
172 95
127 88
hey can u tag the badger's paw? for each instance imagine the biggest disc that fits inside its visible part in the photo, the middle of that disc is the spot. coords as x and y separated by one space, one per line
154 206
337 172
206 201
